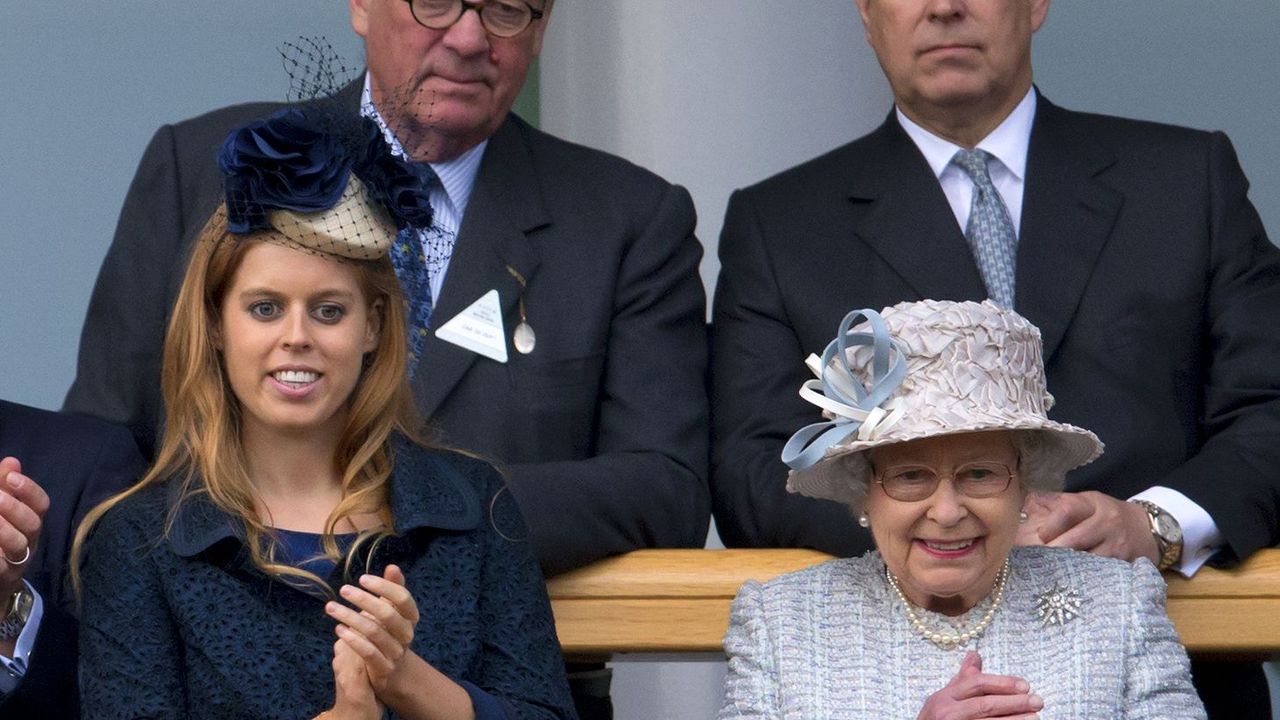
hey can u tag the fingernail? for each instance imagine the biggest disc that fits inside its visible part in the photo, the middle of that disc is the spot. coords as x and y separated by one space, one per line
1022 686
1037 702
366 579
331 607
347 591
14 480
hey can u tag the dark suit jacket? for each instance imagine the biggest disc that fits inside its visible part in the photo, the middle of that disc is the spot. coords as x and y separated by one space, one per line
1140 258
602 426
78 461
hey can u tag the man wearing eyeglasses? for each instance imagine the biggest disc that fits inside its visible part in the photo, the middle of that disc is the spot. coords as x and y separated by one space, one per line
467 78
581 265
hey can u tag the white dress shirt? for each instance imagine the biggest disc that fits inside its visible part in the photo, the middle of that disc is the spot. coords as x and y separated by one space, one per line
1008 145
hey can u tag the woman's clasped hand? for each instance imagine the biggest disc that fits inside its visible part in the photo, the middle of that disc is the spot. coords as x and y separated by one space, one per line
373 657
975 695
354 698
380 630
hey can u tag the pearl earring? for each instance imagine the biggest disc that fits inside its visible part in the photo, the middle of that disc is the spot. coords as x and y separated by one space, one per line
863 521
1022 517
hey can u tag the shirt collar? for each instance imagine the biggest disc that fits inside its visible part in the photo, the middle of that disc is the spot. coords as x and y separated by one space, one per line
426 491
1007 143
457 176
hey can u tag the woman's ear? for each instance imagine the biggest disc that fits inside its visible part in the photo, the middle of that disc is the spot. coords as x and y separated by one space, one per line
373 325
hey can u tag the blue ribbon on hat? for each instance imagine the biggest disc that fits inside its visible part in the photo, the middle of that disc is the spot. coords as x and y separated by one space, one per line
840 393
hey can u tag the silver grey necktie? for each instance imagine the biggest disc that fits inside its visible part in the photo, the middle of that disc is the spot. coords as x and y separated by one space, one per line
990 230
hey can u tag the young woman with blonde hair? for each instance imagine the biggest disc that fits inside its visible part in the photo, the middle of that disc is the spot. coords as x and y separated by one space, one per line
298 549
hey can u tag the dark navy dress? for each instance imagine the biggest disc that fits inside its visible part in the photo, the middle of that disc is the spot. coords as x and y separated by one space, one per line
184 626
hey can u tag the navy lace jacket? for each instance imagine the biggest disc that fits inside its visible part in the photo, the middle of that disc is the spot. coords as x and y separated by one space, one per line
183 626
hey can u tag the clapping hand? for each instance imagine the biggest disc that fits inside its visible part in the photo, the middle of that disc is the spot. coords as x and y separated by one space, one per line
381 632
974 695
23 504
354 698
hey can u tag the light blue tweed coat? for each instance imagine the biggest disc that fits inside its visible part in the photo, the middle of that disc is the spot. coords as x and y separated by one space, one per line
833 641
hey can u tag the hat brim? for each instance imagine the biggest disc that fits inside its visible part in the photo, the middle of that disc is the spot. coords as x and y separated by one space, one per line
1066 447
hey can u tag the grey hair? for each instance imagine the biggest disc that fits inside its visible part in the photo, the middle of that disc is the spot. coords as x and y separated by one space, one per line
1036 467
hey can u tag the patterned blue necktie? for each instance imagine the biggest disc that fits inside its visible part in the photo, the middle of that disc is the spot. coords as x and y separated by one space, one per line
409 259
990 230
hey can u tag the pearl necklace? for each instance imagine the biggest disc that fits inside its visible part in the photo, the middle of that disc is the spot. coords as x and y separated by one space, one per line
943 640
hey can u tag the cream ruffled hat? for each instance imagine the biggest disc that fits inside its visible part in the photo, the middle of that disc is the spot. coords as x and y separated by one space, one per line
924 369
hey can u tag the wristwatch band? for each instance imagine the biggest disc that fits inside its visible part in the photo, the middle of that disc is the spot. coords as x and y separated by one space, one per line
1166 531
17 609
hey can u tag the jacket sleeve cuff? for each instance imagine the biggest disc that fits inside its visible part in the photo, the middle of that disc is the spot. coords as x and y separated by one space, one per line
486 706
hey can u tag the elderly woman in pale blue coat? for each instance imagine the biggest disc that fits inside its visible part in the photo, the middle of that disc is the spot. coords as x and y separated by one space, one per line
937 432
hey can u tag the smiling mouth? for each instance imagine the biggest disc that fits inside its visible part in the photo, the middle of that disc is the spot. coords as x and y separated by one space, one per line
295 378
951 546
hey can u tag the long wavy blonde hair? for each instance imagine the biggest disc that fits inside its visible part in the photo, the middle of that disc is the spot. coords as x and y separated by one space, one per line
201 446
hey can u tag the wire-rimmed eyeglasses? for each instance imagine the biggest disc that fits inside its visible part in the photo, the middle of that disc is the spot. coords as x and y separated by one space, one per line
913 483
500 18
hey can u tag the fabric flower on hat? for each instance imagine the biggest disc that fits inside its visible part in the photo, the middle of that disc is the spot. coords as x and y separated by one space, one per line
391 180
284 162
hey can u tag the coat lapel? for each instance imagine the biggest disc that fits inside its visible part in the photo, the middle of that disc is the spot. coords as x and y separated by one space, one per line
908 221
1067 216
505 204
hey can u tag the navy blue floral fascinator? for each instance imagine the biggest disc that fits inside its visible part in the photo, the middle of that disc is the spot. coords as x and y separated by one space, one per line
318 174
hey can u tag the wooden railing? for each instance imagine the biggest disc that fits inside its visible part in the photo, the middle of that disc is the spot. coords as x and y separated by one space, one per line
677 601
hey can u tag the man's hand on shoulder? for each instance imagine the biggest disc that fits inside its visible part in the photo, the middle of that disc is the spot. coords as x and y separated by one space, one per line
1089 521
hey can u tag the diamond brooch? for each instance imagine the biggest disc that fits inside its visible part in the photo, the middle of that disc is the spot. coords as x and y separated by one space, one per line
1058 606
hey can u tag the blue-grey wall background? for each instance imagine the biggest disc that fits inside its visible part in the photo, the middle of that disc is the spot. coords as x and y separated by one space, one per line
85 84
713 94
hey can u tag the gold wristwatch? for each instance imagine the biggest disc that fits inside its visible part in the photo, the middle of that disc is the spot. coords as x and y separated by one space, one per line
1167 532
16 611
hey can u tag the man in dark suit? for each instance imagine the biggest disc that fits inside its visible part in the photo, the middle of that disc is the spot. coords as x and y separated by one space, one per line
601 422
54 469
1137 254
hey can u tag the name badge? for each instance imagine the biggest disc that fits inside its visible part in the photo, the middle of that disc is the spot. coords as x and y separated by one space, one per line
478 328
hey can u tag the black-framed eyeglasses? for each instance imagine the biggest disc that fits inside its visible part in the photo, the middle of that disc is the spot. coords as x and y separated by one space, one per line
913 483
500 18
